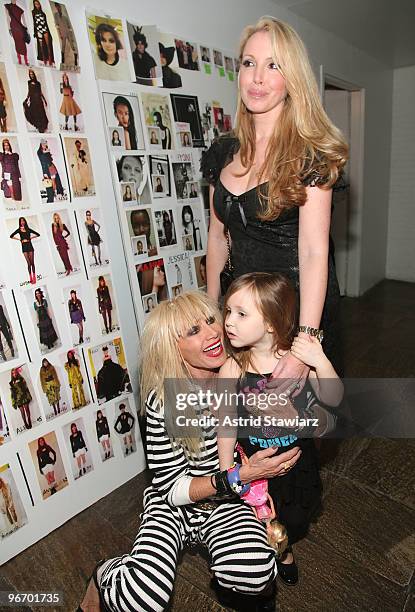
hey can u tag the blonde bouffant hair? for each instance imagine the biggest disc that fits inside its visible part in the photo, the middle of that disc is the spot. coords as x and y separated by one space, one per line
161 359
305 145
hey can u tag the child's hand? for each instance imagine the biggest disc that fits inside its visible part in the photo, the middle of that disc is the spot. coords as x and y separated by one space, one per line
309 350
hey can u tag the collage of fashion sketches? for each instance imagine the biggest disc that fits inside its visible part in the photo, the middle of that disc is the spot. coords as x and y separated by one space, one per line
67 403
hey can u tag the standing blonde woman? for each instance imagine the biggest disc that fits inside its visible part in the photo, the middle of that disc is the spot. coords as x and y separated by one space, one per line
271 182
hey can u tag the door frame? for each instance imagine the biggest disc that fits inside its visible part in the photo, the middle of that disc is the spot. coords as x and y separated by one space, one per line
356 174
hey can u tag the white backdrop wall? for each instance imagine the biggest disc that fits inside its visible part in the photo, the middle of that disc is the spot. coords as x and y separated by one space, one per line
401 242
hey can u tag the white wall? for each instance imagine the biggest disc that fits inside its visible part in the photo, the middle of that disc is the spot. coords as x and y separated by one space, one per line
401 236
220 23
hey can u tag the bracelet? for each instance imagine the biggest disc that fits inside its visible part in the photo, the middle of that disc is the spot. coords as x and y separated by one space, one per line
212 483
222 485
234 480
312 331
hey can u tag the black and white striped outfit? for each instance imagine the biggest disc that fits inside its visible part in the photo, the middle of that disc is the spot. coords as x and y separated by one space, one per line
240 556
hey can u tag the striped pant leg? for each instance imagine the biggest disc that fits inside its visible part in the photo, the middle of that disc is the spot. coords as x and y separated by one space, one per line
143 580
241 557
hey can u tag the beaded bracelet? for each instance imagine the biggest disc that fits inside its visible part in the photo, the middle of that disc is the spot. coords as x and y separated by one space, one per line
234 480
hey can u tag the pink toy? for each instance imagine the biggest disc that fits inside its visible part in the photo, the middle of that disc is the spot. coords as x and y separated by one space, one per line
263 507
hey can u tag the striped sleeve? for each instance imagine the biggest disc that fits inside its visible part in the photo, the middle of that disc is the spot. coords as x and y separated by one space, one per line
171 470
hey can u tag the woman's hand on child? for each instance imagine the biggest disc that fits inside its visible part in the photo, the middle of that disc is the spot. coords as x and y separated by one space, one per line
266 464
289 376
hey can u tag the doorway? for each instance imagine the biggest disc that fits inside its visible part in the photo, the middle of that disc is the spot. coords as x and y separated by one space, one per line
344 104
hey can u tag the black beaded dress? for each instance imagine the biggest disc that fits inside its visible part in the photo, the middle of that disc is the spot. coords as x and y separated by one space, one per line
267 246
297 494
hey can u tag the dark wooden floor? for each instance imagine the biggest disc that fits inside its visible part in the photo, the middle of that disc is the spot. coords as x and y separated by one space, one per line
360 553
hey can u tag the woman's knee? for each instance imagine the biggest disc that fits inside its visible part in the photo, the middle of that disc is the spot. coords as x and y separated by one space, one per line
128 585
246 570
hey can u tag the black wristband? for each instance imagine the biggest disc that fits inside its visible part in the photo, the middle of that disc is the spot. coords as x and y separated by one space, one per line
222 484
212 479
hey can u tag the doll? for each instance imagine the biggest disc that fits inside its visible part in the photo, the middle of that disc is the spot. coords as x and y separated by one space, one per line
262 505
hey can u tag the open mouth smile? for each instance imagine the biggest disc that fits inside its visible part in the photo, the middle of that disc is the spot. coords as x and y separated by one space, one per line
214 350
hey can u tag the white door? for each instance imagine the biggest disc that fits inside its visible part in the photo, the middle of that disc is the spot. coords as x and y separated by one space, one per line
337 105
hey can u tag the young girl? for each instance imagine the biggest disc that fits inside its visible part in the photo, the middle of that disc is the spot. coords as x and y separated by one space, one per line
260 324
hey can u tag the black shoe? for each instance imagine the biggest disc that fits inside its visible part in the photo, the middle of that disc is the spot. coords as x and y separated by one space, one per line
288 572
232 600
267 605
243 603
268 602
102 605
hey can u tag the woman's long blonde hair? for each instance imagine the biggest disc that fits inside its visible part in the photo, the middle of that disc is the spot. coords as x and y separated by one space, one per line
161 361
305 145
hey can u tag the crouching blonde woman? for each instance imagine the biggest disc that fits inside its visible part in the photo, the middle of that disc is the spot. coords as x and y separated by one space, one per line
183 340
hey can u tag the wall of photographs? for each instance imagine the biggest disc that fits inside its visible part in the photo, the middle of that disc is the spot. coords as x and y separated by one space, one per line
103 215
157 127
68 419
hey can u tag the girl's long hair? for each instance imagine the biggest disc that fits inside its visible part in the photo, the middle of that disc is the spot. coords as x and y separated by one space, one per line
276 300
305 145
161 360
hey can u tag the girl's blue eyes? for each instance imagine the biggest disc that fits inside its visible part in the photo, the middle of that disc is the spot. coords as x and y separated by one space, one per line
241 314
